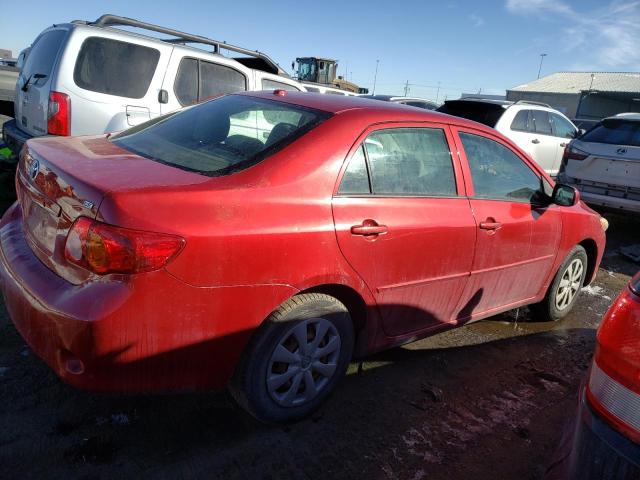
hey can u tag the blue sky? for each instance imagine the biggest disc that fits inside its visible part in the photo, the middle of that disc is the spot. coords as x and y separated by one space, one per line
456 45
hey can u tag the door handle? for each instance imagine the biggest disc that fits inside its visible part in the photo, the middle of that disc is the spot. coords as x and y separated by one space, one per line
535 140
369 227
563 144
490 224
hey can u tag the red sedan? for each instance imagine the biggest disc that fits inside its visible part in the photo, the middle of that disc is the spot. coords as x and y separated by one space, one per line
603 441
260 241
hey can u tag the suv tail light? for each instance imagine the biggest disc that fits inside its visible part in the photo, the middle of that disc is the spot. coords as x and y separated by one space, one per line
614 383
59 114
105 249
572 153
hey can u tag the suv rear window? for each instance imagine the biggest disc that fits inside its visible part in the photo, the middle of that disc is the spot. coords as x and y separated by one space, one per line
221 136
43 53
614 132
485 113
115 68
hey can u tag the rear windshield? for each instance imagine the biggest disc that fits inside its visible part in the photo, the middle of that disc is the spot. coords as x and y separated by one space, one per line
221 136
485 113
114 67
614 133
43 53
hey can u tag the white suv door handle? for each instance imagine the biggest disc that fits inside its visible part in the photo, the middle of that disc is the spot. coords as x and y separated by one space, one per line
563 144
535 140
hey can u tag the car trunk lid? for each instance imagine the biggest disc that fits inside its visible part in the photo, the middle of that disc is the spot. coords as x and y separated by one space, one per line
60 179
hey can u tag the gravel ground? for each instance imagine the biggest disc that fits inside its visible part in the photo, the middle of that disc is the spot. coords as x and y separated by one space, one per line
485 401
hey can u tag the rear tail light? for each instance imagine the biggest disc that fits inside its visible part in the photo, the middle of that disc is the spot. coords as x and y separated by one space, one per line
59 114
572 153
105 249
614 383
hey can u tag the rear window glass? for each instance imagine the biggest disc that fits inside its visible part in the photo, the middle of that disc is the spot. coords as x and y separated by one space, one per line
485 113
115 68
43 53
221 136
615 133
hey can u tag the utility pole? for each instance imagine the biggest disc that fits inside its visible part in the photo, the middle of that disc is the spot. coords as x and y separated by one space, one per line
406 88
438 92
542 55
375 77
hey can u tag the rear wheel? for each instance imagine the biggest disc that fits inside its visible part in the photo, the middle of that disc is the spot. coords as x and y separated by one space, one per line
295 359
564 289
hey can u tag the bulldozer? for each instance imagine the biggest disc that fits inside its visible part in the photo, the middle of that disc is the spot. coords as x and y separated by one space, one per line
323 71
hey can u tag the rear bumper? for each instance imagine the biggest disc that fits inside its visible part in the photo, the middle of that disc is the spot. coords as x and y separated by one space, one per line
139 333
596 451
599 195
14 137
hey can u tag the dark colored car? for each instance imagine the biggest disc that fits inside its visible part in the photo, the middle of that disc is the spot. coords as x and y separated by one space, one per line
260 241
604 443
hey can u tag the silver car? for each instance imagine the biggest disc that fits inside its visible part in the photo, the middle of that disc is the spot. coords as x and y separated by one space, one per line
88 78
604 163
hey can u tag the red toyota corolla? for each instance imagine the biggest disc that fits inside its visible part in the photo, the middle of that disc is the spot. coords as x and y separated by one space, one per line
261 240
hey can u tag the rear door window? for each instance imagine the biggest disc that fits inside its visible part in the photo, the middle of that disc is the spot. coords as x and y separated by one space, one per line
43 54
186 85
403 162
198 80
498 173
218 79
541 122
562 126
115 68
521 122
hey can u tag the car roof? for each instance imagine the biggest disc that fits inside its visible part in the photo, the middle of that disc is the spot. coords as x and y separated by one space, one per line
395 98
628 116
391 111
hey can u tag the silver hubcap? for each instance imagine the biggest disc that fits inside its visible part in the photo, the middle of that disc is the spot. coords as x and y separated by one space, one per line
569 284
303 362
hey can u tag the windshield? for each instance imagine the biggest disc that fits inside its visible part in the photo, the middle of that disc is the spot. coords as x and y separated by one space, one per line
307 70
221 136
614 133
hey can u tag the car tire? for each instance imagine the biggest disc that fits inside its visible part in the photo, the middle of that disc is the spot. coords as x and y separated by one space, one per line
294 359
565 288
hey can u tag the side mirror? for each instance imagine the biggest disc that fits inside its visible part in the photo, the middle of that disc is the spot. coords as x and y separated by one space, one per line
565 195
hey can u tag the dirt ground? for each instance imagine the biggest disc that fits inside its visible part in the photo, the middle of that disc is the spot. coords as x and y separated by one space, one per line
486 401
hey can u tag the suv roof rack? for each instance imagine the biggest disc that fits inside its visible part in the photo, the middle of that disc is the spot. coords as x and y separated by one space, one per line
531 102
259 61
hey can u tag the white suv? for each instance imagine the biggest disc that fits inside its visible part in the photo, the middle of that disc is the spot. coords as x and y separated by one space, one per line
536 128
88 78
604 163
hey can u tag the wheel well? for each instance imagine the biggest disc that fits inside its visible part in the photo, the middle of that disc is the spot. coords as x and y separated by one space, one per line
592 254
349 297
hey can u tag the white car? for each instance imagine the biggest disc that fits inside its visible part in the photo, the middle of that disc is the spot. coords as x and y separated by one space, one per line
604 163
536 128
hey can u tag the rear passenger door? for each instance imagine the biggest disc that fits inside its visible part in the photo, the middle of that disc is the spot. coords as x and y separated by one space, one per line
194 79
532 131
404 224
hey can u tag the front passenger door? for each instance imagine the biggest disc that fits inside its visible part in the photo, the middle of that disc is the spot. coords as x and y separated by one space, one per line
518 228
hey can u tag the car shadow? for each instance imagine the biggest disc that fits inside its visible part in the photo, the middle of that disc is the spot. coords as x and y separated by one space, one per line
406 410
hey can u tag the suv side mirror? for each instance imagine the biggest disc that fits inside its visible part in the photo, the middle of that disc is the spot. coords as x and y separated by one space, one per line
565 195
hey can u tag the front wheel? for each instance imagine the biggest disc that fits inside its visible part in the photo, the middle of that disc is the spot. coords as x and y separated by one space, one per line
295 359
565 288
